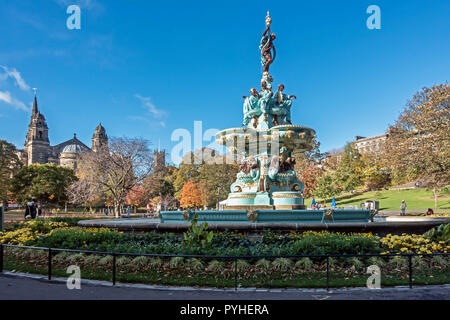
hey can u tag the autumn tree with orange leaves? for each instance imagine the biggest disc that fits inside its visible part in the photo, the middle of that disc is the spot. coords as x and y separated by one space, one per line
137 197
191 195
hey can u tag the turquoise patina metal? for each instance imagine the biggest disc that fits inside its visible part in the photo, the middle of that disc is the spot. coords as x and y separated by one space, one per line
268 216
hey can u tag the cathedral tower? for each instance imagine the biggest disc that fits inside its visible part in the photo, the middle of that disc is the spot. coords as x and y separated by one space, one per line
99 139
37 144
159 159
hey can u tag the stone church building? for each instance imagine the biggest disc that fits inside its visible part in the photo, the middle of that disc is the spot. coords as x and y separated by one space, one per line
38 149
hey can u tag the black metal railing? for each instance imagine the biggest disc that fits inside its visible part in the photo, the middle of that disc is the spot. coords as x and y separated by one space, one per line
51 251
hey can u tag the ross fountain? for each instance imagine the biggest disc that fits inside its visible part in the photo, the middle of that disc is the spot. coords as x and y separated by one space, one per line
267 188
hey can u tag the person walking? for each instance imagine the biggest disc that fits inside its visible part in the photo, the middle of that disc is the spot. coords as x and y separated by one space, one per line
33 209
149 210
403 208
27 210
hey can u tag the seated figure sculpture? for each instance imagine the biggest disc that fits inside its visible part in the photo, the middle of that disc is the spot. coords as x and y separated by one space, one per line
251 109
281 106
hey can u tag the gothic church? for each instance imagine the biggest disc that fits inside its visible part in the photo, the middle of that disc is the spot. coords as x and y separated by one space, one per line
38 149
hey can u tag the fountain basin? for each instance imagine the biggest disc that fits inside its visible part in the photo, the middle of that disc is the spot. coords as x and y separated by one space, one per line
268 216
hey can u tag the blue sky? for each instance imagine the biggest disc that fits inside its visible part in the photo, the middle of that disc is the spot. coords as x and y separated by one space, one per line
145 68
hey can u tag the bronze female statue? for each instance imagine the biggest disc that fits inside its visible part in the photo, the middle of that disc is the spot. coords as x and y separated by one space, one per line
266 46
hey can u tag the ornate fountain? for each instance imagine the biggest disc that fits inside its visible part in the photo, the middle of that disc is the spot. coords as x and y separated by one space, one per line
265 146
267 189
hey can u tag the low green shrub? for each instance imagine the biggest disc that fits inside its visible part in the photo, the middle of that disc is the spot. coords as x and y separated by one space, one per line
242 265
155 262
176 262
196 264
215 265
140 261
263 264
282 264
108 259
304 263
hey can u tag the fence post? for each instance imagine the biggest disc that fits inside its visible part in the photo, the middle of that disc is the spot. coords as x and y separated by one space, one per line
328 272
114 269
1 257
49 263
2 218
410 271
235 274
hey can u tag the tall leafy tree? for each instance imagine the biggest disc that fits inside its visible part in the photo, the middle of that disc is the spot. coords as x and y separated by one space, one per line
191 196
309 174
418 143
325 188
308 167
136 197
159 187
375 174
9 165
349 173
215 180
188 170
45 183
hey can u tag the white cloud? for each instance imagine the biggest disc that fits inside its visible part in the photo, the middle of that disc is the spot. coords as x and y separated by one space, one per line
6 97
13 73
157 113
150 122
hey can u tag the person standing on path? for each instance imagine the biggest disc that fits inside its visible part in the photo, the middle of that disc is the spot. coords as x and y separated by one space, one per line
403 208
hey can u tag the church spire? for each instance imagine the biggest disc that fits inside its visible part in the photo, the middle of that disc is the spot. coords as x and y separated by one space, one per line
35 107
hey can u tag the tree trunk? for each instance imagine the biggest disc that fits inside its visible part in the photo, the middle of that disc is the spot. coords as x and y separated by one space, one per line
116 210
435 198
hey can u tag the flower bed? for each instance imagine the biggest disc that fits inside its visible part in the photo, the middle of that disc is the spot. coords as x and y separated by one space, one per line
57 234
223 272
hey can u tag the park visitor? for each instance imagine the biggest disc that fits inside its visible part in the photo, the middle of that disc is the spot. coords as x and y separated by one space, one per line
403 208
27 210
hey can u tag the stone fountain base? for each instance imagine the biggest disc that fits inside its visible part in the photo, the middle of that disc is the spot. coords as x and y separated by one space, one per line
281 200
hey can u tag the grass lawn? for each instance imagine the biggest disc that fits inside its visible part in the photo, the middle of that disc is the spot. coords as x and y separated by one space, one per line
391 199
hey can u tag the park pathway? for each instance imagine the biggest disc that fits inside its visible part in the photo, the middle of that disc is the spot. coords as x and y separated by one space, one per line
18 287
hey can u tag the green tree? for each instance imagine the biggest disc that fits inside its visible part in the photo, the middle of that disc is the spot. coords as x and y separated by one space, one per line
375 174
187 170
349 173
45 183
9 165
418 144
160 185
325 188
215 180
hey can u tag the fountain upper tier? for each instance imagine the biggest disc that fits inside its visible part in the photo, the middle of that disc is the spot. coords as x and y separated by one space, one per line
242 141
